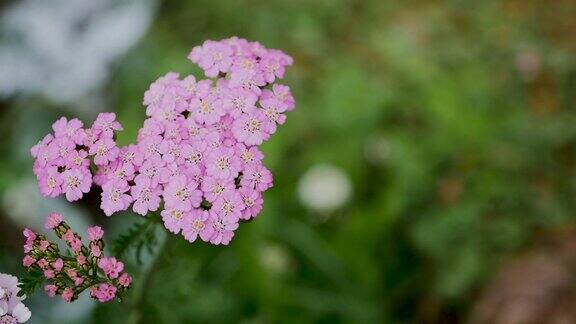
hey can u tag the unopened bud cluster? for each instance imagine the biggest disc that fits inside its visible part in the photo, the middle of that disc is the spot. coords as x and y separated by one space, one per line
83 267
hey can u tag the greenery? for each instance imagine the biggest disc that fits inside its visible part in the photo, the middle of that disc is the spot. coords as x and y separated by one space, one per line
454 121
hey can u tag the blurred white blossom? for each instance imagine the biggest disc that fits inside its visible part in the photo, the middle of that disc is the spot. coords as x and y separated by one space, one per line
324 188
63 48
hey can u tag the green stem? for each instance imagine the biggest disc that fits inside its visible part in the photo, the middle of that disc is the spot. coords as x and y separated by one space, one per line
145 280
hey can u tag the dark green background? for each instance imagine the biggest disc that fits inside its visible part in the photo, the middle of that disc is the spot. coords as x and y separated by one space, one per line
454 120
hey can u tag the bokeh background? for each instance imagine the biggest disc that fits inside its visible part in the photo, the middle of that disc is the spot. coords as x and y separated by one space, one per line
428 174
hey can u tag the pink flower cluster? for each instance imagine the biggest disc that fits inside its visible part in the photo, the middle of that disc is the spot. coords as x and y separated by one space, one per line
62 164
72 273
196 158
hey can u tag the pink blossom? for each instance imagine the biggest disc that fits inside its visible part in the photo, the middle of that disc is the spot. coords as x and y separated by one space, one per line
215 188
181 192
58 265
249 155
251 129
111 267
51 290
95 250
104 151
196 224
103 292
106 124
68 295
280 95
146 195
81 259
76 183
229 205
239 101
213 57
53 220
64 128
221 229
43 245
125 280
173 219
222 163
256 176
151 169
28 261
95 233
49 274
114 197
206 110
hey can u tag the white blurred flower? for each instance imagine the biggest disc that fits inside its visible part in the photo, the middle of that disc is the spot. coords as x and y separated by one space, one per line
324 188
275 259
63 48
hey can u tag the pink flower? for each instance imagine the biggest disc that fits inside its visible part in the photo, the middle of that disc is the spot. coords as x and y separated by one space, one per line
76 183
206 110
53 220
58 265
43 264
81 259
215 188
77 159
251 129
146 196
280 95
170 151
273 110
173 219
181 192
125 280
221 229
123 171
43 245
249 155
78 281
95 233
131 155
103 292
222 163
213 57
28 261
49 274
106 124
76 245
64 128
193 155
68 295
151 168
196 224
29 234
191 130
239 101
95 250
111 267
104 151
69 236
114 197
51 290
273 64
229 205
257 176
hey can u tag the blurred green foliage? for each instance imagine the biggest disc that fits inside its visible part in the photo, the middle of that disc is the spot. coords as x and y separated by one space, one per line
453 119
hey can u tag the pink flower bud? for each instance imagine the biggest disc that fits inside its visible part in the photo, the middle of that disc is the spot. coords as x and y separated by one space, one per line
53 221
